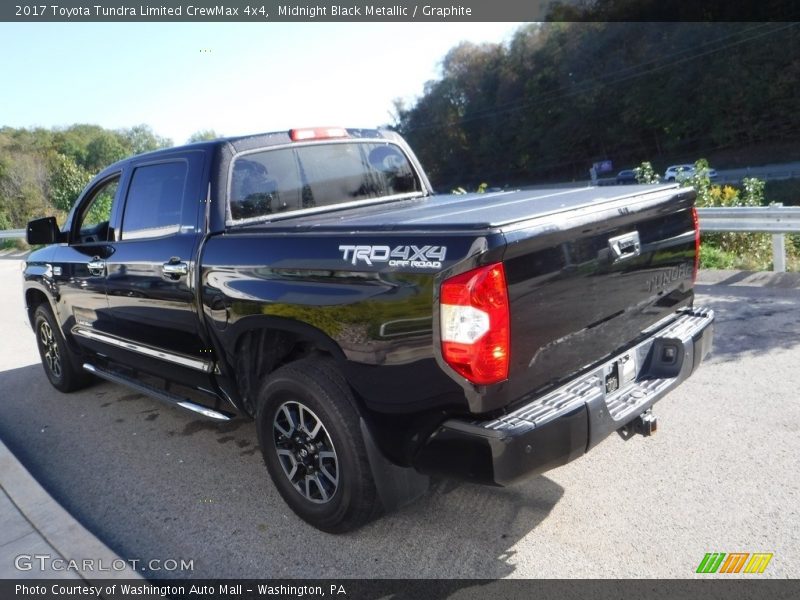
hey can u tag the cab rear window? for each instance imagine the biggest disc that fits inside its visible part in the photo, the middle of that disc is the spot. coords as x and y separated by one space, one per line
282 180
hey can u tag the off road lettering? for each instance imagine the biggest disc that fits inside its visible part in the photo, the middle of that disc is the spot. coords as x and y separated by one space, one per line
421 257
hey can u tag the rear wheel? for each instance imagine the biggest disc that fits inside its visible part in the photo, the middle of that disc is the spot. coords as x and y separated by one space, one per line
310 437
57 360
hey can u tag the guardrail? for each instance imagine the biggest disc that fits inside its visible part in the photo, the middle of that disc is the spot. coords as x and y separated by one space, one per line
774 173
776 219
12 234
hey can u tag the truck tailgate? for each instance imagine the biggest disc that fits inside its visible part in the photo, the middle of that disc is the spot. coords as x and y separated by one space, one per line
587 281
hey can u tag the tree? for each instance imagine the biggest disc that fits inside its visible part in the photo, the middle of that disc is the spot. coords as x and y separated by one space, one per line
67 180
103 150
43 171
203 135
23 188
560 96
141 139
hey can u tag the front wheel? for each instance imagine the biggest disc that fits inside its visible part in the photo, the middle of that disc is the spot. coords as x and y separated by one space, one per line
57 360
310 436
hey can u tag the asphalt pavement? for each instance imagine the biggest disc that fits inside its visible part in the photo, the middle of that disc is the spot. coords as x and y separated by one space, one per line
156 484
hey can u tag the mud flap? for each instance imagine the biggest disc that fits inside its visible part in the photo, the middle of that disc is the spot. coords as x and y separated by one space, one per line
397 486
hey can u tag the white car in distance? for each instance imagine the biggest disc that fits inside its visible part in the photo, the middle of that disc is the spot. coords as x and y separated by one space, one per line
681 172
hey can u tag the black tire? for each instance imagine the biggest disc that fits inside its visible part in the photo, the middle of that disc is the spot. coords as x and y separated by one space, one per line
321 468
59 364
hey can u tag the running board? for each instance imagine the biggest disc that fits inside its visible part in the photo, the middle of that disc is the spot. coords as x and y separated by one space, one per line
163 395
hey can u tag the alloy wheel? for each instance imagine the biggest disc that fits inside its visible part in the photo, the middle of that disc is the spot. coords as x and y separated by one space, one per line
306 452
50 348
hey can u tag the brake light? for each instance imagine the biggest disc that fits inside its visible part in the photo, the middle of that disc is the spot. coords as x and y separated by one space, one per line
696 221
474 324
317 133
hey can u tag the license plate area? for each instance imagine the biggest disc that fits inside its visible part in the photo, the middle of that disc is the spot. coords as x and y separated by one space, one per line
620 373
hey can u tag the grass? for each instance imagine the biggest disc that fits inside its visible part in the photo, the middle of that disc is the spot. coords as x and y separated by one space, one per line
16 244
712 257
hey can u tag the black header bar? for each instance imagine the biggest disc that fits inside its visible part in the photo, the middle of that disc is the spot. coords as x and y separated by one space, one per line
734 588
396 11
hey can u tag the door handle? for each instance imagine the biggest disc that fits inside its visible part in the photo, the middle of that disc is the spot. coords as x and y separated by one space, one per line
174 269
625 246
96 266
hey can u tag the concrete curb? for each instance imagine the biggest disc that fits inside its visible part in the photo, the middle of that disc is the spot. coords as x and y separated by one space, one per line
71 540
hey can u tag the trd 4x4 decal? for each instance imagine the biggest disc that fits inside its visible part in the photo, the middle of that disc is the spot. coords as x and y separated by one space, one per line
425 257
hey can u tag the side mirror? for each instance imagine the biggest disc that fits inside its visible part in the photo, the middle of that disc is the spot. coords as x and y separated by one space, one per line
43 231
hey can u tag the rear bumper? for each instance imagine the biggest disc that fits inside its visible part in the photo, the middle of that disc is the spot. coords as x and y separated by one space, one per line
552 429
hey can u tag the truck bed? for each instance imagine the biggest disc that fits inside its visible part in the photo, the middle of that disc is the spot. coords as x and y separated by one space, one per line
461 212
572 301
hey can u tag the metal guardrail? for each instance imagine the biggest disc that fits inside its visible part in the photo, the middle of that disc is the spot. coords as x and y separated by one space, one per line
776 219
12 234
764 219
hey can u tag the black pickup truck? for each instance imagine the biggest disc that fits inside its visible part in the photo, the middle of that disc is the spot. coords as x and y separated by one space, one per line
376 332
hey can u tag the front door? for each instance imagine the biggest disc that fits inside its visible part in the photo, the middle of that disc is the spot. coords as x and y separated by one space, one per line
79 266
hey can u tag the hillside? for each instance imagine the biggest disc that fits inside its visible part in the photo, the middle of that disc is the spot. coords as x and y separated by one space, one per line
560 96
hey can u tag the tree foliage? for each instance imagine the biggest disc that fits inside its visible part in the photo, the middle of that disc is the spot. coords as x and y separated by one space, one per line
42 171
645 173
203 135
560 96
725 249
669 10
67 180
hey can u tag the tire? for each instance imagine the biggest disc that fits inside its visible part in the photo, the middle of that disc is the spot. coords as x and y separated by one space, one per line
58 361
310 435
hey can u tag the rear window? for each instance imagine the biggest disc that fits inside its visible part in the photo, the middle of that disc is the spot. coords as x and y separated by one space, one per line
288 179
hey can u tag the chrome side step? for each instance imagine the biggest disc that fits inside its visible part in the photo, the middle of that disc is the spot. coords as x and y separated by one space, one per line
159 394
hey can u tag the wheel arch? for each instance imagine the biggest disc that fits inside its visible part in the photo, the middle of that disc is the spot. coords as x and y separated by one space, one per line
34 297
259 344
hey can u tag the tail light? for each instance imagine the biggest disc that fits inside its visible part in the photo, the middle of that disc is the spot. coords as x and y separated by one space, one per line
474 324
696 221
317 133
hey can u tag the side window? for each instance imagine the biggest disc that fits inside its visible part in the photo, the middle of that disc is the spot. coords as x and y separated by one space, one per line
155 201
93 224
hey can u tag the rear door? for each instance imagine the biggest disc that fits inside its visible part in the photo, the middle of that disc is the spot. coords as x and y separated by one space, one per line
150 281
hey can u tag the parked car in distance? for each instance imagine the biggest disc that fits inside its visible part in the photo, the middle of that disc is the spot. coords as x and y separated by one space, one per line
627 176
681 172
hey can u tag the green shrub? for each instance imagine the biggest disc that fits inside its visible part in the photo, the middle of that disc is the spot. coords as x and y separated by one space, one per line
645 173
749 251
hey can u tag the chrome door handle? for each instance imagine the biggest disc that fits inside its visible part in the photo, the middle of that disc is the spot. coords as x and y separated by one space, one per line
174 270
96 266
625 246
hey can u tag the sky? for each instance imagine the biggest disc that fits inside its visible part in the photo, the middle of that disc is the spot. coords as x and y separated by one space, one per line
236 79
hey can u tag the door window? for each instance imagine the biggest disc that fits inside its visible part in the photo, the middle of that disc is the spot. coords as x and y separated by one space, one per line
155 201
96 215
